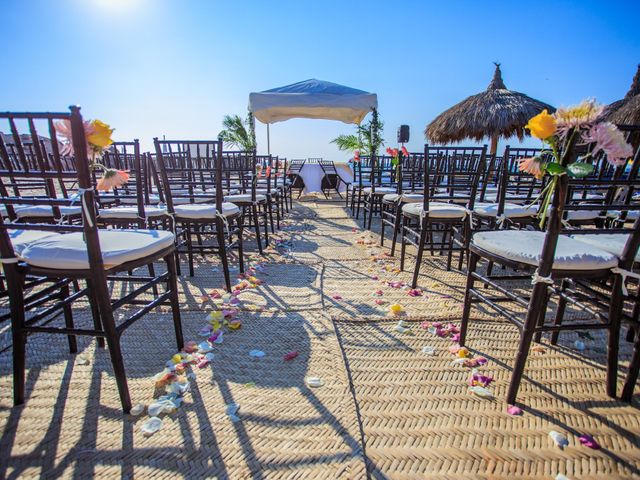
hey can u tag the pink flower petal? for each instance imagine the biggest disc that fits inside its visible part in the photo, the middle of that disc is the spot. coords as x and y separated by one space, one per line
337 297
291 355
589 441
513 410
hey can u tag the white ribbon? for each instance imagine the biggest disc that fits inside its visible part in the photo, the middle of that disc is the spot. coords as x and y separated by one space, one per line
85 208
224 219
9 260
500 219
625 274
536 278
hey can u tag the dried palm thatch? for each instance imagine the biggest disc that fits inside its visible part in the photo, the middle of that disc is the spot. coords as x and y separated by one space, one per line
496 112
627 110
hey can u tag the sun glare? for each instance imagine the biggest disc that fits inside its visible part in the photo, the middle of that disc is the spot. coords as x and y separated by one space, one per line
117 5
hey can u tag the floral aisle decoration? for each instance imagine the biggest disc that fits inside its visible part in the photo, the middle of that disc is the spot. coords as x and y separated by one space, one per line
98 136
558 131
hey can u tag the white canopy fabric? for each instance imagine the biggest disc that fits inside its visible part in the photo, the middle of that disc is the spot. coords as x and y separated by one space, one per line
312 99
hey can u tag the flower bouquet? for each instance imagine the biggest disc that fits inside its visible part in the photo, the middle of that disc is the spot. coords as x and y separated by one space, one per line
559 132
98 136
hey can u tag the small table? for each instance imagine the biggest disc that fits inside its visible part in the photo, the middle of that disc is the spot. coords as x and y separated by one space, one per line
312 175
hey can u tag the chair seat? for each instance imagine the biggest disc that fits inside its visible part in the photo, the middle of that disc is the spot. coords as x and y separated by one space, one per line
245 198
404 197
581 215
69 251
192 200
511 210
131 212
609 242
153 200
380 190
204 211
525 246
45 211
20 239
436 210
631 214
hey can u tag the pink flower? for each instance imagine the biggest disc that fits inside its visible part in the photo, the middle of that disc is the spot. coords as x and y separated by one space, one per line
356 156
112 179
580 116
389 151
531 166
611 141
404 151
63 129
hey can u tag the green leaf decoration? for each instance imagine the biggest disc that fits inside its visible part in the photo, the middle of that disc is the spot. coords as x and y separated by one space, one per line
555 169
580 169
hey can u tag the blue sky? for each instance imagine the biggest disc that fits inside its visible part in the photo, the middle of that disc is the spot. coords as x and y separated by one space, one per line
154 67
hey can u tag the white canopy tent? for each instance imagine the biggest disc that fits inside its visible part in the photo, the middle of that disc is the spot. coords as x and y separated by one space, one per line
311 99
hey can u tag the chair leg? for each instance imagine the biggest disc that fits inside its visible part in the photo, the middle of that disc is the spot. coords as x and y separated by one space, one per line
152 273
634 367
265 219
466 312
535 305
372 203
562 305
269 208
68 319
18 337
222 249
382 223
403 244
396 228
416 270
241 243
95 311
256 226
613 348
172 285
189 243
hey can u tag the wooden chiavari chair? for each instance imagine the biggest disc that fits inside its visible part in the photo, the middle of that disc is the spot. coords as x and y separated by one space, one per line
555 255
451 176
191 177
80 252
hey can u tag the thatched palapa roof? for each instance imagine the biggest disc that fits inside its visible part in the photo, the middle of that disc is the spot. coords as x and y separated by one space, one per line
627 110
496 112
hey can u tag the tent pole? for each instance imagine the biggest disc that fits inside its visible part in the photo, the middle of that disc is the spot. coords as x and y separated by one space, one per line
494 144
268 141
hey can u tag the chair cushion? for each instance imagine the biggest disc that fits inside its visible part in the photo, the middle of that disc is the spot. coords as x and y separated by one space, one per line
153 200
41 211
192 200
405 197
511 210
69 251
631 214
131 212
609 242
21 238
580 215
245 197
380 190
525 246
436 210
204 211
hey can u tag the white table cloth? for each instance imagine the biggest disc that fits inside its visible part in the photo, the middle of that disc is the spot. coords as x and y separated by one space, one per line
312 175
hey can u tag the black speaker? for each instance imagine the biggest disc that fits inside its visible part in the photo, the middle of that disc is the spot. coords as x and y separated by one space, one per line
403 133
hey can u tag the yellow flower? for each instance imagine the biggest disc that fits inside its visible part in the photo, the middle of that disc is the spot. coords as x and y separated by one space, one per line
101 134
542 125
